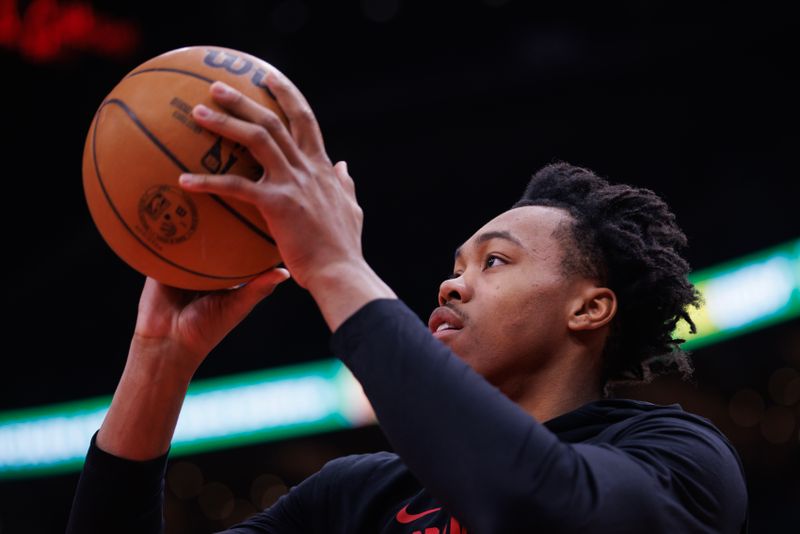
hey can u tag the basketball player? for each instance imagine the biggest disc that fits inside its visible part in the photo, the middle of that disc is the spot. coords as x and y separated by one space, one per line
496 409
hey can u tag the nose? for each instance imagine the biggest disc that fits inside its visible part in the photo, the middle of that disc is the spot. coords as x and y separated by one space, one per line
454 289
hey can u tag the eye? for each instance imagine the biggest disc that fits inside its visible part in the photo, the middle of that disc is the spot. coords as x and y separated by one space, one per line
492 261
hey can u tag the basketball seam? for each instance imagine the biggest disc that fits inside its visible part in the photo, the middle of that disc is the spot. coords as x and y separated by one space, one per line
136 121
244 220
193 75
165 69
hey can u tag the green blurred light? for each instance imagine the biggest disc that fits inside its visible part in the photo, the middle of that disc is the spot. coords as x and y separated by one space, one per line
745 294
741 295
218 413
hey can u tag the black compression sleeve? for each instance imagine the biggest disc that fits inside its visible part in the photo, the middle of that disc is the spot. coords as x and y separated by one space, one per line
499 470
118 495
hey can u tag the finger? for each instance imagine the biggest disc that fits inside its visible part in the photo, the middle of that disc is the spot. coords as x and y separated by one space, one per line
248 109
253 136
268 281
228 185
265 283
340 169
302 122
240 301
154 290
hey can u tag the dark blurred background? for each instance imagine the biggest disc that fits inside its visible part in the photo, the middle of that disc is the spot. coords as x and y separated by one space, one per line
443 110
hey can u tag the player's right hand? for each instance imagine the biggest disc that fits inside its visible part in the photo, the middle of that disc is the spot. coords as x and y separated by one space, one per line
181 327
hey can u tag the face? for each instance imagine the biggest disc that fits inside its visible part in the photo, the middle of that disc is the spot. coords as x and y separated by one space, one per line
505 309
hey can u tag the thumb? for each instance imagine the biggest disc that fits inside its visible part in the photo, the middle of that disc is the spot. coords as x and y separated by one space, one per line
266 282
242 300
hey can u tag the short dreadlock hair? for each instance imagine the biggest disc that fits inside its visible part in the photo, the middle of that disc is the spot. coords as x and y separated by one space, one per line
627 239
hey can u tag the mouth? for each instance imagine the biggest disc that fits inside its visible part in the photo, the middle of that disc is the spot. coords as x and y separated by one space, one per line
444 322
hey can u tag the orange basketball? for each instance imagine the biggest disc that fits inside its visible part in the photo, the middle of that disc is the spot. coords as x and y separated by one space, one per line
140 141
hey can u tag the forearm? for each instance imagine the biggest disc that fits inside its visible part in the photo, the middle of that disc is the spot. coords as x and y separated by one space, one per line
118 495
341 290
441 417
487 460
121 486
141 420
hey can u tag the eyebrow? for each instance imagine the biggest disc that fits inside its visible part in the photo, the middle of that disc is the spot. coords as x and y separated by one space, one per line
488 236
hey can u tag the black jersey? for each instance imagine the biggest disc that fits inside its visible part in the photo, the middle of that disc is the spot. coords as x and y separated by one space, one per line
468 459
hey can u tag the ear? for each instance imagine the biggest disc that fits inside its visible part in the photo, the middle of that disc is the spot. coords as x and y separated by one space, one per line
594 308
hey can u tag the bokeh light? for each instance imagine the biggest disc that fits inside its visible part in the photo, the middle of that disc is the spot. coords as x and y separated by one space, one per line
216 500
184 479
746 407
777 424
779 385
242 509
266 489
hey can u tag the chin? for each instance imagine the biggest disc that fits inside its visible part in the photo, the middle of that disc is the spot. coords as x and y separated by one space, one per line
461 352
459 347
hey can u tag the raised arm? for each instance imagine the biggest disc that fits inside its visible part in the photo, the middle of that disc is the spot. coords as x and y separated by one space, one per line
499 470
121 487
490 462
308 203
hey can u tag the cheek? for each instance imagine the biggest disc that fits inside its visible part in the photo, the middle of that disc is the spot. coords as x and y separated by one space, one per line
534 316
511 321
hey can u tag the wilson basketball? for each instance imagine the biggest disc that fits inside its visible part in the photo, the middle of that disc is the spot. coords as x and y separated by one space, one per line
140 141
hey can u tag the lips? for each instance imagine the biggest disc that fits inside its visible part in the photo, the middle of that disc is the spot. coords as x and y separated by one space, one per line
444 319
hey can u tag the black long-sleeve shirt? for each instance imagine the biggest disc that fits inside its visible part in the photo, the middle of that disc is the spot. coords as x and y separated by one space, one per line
468 459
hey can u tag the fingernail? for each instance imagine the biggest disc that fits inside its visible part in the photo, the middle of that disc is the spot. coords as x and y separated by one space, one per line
187 179
201 111
221 89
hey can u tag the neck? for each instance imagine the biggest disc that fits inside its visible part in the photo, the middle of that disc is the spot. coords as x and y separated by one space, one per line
556 389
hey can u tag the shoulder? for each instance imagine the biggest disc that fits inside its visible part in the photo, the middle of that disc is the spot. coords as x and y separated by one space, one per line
687 459
686 452
670 431
654 424
357 469
622 422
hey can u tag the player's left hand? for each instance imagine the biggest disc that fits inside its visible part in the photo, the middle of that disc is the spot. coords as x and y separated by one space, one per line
308 203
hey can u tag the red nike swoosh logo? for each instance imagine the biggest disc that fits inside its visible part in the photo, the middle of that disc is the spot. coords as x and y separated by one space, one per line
404 517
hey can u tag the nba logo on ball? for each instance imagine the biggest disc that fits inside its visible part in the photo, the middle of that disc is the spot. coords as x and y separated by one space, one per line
142 138
167 214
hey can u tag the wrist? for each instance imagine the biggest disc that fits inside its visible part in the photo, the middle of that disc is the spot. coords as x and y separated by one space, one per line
159 359
144 410
343 288
336 274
